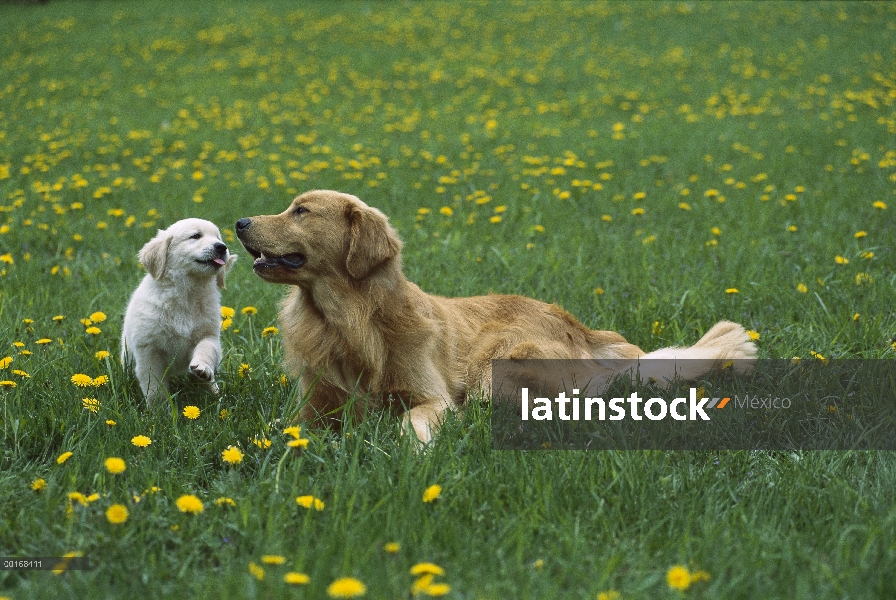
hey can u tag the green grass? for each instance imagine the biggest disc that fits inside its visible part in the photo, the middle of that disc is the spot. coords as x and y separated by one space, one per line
120 118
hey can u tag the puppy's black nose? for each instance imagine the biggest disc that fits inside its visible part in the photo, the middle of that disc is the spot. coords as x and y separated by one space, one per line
243 224
220 248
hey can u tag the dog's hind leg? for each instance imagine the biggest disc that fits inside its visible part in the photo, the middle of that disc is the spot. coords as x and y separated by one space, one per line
206 357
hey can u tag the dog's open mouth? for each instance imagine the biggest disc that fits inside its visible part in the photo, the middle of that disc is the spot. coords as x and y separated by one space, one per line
262 262
212 262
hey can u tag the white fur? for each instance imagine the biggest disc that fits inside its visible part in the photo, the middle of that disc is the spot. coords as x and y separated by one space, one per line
173 321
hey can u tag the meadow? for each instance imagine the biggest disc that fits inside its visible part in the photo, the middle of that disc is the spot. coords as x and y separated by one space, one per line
650 167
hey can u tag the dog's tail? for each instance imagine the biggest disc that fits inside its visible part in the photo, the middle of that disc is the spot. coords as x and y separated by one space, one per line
725 341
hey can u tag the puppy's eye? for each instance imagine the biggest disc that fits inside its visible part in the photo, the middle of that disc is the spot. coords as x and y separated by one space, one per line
195 236
300 210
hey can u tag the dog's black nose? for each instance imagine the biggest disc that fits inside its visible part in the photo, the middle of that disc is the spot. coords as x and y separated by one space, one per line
220 248
243 224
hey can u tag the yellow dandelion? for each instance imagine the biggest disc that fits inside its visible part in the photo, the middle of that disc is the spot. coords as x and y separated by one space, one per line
268 331
392 547
82 380
427 568
99 381
856 316
227 312
495 219
863 278
446 210
244 370
43 341
38 484
226 323
63 457
5 362
110 423
141 441
801 288
191 412
225 501
346 587
879 204
273 559
860 234
91 404
841 260
102 354
263 442
294 578
432 493
732 291
58 318
98 317
298 443
21 373
310 502
754 335
684 206
437 589
115 465
117 514
232 455
638 211
249 310
93 331
188 503
6 383
609 595
792 228
678 578
293 431
256 571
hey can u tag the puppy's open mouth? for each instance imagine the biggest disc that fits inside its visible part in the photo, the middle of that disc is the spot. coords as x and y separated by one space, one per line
294 261
212 262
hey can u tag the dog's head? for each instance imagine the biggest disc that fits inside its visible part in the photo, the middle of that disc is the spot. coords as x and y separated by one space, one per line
191 248
322 234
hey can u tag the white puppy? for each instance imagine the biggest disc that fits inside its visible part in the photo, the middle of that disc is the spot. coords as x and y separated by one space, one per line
173 321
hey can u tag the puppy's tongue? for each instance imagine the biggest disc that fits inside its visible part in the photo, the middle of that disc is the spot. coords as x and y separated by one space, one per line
218 261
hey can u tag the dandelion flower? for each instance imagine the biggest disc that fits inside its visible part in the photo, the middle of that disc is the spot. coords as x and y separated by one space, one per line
38 484
392 547
863 278
117 514
346 587
226 323
6 383
309 502
427 568
191 412
801 288
732 291
227 312
64 457
82 380
294 431
678 578
268 331
446 210
244 370
188 503
841 260
5 362
298 443
753 335
609 595
432 492
263 442
101 355
879 204
294 578
93 330
860 234
91 404
110 423
141 441
437 589
43 342
21 373
249 310
98 317
58 318
273 559
232 455
99 381
256 571
115 465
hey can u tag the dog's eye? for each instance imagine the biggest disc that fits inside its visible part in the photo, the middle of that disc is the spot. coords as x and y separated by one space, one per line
195 236
300 210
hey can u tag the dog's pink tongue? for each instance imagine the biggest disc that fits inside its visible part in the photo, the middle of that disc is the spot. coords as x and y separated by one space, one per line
218 261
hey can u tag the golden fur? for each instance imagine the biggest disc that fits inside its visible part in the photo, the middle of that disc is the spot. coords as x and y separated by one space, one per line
353 324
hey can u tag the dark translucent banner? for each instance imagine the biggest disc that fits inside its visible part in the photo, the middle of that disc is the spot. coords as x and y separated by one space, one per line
694 405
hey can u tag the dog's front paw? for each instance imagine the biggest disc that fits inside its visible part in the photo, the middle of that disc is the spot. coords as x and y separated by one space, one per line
203 371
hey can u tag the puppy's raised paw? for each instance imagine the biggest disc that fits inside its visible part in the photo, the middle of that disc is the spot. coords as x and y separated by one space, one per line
203 371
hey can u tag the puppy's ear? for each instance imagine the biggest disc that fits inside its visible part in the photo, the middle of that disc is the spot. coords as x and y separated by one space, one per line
154 254
372 241
219 278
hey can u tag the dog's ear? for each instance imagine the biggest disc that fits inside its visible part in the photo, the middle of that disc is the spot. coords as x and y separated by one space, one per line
155 253
372 241
219 278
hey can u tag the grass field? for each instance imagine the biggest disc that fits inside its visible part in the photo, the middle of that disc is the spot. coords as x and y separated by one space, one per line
651 167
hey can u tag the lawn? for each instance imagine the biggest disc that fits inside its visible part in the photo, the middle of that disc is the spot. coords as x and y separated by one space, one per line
651 167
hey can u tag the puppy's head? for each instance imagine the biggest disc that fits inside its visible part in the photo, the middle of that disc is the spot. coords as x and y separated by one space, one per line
189 248
322 234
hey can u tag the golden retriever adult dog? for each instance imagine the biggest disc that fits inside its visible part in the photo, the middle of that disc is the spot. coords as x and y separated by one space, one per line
173 321
354 324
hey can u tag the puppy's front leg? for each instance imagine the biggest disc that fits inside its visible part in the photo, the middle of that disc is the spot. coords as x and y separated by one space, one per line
425 418
151 371
206 358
